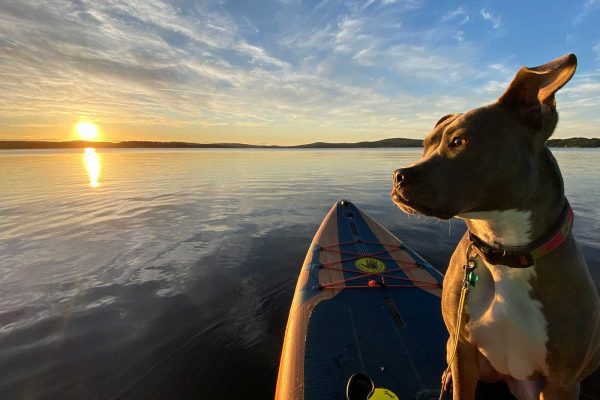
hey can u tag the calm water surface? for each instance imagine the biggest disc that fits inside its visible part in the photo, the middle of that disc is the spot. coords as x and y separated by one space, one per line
169 273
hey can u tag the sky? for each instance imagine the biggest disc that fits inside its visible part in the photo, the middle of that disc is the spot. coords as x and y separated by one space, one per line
281 71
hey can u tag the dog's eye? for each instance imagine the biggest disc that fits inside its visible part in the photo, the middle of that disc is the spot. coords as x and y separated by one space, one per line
457 141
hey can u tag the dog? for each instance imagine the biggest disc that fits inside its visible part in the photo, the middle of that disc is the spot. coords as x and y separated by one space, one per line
531 314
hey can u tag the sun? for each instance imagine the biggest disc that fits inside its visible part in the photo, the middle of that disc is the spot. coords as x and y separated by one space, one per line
87 130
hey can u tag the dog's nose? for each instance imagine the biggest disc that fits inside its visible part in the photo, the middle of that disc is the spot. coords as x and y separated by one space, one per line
398 176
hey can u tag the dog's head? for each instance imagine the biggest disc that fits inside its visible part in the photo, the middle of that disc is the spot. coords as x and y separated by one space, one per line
487 158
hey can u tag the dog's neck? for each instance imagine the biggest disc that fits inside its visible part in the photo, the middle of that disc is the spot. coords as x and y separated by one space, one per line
506 228
513 227
531 220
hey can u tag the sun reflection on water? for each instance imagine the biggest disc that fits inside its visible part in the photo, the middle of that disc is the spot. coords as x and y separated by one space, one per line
92 164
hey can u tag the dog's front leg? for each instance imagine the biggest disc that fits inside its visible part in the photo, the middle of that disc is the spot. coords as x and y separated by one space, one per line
552 391
465 370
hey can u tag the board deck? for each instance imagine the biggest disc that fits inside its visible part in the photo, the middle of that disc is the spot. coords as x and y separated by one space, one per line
364 302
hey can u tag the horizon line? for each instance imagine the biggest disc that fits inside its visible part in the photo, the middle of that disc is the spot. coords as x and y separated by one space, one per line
381 143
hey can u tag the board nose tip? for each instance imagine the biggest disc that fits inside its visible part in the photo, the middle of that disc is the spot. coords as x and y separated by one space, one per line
344 203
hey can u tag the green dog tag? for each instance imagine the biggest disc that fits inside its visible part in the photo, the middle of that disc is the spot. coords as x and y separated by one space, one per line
472 278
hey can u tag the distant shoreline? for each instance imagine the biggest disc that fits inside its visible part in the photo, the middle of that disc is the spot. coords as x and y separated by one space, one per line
576 142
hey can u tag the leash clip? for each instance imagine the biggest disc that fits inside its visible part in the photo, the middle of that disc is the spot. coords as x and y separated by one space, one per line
471 277
466 283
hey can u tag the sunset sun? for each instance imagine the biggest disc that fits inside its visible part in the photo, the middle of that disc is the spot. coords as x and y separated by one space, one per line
87 130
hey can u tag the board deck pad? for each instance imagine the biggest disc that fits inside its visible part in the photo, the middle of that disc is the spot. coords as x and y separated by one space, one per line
364 302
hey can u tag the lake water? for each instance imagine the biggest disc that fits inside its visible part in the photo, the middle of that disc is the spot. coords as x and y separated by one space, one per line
162 274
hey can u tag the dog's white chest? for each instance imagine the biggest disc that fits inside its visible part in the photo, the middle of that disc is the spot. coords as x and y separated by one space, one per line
505 323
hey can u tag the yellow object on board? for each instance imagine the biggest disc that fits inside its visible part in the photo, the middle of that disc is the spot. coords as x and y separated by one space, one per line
370 265
382 394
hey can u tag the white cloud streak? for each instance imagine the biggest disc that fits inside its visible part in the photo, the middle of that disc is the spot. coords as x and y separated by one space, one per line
493 19
459 14
588 7
596 51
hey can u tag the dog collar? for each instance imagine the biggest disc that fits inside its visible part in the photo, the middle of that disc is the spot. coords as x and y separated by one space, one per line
524 256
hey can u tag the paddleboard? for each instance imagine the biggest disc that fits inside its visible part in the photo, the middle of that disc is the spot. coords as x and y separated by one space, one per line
364 303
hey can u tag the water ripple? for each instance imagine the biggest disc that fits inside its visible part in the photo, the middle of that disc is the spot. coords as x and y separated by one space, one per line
178 269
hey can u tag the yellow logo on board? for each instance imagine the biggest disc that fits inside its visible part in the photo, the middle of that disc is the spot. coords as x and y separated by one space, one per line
382 394
370 265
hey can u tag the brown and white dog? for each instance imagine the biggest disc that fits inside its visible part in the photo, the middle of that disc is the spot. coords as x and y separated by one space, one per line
533 316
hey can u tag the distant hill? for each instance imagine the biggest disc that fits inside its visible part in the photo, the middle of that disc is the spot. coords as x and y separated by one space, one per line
385 143
77 144
394 142
574 142
80 144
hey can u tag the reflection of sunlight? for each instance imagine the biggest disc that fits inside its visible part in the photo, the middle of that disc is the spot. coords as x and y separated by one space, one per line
92 164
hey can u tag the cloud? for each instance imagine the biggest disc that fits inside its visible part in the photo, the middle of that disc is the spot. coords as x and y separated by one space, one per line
366 5
588 7
577 104
460 36
121 61
413 61
450 25
458 14
348 33
493 87
488 16
148 63
205 69
378 42
596 50
503 70
406 4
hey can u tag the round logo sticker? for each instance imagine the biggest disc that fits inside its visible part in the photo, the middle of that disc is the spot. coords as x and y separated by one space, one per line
370 265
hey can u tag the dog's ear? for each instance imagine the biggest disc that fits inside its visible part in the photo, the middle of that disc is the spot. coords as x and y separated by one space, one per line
531 92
